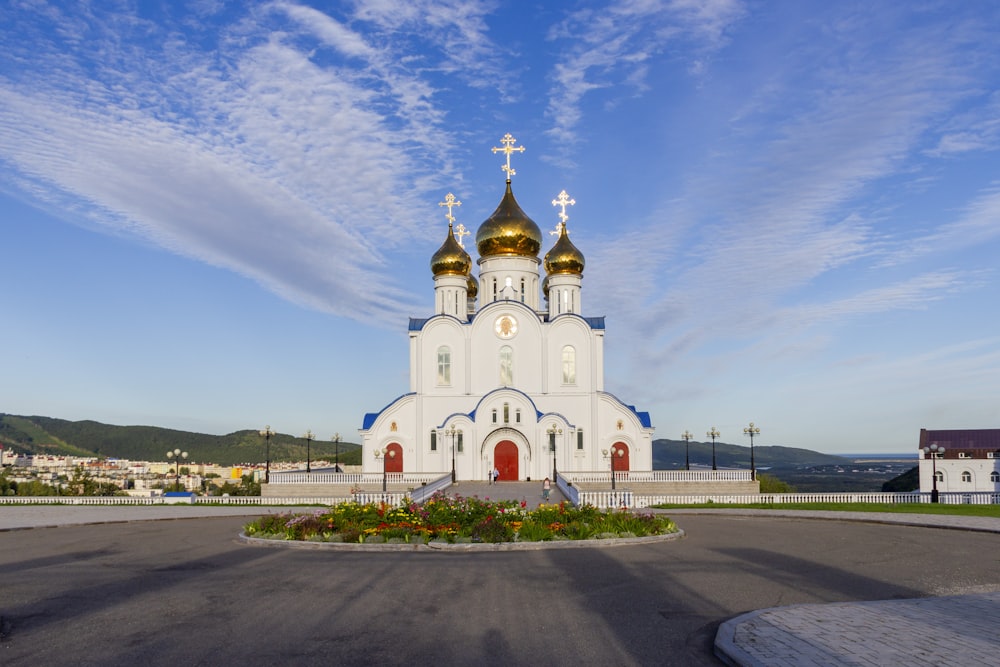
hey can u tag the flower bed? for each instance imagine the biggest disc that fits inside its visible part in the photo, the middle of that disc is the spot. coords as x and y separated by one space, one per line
455 519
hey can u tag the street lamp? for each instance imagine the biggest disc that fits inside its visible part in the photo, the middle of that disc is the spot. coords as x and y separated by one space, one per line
752 431
384 454
553 431
309 437
266 433
687 448
615 451
454 433
713 434
336 452
933 451
176 456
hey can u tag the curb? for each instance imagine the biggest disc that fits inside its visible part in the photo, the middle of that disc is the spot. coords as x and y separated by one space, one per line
463 547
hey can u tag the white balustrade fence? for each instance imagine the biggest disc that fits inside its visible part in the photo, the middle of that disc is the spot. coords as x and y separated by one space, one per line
353 478
604 477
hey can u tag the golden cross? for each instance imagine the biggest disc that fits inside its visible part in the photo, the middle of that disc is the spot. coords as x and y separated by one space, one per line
559 227
450 201
563 200
461 231
508 147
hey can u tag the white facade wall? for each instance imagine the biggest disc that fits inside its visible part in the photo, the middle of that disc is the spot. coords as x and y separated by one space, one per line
983 474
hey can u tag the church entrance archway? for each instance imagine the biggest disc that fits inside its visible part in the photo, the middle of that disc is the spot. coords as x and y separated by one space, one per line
505 460
620 462
394 457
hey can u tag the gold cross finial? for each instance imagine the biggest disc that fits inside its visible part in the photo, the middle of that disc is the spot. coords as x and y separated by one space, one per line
558 230
450 201
563 200
461 231
508 147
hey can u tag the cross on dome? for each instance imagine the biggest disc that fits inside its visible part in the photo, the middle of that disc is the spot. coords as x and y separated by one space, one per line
461 231
563 200
450 201
508 142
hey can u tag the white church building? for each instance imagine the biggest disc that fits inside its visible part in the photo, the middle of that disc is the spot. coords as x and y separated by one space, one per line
507 373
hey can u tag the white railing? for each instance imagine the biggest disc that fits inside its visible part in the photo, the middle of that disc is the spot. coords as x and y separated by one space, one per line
604 476
877 498
425 491
607 499
353 478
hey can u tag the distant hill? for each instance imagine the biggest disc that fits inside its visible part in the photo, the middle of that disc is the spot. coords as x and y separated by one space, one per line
669 455
46 435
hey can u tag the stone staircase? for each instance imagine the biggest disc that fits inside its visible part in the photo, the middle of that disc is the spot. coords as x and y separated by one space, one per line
529 492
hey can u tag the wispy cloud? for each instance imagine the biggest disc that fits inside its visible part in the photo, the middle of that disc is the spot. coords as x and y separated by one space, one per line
611 46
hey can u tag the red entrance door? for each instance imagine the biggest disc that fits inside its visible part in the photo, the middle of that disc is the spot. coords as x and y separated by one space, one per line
505 460
394 458
620 461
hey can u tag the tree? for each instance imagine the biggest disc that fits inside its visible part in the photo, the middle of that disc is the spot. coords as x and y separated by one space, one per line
771 484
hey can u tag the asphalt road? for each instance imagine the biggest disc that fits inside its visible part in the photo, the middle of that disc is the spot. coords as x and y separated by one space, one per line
185 592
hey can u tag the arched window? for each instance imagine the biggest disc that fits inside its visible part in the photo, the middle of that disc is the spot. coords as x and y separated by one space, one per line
939 475
506 366
522 290
444 365
569 365
506 413
434 441
995 476
966 476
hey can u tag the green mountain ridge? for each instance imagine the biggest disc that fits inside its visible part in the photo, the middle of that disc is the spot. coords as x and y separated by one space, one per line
47 435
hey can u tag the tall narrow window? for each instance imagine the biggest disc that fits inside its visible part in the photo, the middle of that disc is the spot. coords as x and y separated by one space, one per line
444 365
579 440
459 445
517 415
434 441
494 415
522 290
565 302
506 413
569 365
506 366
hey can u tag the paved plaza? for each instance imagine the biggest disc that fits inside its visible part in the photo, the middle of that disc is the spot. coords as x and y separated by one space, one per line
110 587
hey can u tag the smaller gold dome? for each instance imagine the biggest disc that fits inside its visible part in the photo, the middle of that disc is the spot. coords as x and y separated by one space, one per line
451 258
564 257
473 287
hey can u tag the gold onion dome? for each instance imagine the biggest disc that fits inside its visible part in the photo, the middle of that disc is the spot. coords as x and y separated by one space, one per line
451 258
509 231
564 257
472 286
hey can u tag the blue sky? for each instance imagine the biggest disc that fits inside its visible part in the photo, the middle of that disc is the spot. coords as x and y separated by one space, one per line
219 215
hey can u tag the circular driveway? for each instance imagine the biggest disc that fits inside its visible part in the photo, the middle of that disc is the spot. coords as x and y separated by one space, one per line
188 592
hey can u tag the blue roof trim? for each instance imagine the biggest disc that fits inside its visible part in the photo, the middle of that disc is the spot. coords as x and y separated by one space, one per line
370 417
595 322
538 413
417 323
643 417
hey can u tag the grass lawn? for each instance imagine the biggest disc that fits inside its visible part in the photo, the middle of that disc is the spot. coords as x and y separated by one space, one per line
909 508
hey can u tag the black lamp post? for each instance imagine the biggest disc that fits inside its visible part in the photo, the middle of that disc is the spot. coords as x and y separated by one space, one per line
176 457
933 452
309 437
384 454
752 431
553 431
713 434
336 452
267 433
454 433
686 435
611 456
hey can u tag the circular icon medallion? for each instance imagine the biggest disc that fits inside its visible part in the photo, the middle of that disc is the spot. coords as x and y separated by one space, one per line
505 326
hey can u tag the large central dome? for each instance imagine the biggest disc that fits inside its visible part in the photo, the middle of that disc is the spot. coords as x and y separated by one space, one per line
509 231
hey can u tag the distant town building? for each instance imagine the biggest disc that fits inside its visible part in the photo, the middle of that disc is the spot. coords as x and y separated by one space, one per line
971 460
